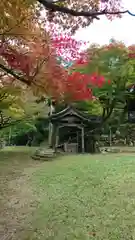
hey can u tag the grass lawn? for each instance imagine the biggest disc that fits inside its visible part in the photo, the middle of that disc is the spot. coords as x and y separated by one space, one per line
74 197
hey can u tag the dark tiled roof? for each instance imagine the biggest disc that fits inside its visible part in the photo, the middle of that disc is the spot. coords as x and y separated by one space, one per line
70 110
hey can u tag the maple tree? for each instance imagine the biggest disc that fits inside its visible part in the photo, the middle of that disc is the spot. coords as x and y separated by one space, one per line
17 31
28 48
116 63
11 105
17 105
28 52
32 50
37 67
32 54
67 14
73 14
59 82
35 60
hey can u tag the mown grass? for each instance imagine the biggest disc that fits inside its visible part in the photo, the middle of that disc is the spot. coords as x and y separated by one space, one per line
86 197
73 197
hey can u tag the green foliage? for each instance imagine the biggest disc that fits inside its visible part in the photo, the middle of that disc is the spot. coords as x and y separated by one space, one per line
118 69
114 64
11 102
20 128
33 130
92 107
16 104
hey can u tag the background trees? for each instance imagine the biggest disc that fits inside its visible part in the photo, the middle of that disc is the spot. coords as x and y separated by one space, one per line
116 63
33 58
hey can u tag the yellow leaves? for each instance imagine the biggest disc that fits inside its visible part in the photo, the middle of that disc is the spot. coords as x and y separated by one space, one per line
60 4
2 61
18 103
16 17
31 55
16 112
31 107
21 31
95 108
11 103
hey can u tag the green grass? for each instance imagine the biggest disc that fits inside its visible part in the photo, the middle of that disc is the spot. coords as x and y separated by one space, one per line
20 149
74 197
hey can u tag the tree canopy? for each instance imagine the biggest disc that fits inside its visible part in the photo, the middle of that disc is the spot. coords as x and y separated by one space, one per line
116 63
30 46
36 52
71 15
67 14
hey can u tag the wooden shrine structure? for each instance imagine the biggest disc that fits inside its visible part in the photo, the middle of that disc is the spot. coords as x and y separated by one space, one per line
70 128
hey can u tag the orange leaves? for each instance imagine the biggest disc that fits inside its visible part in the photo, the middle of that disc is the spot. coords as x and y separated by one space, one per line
57 76
16 60
37 63
16 17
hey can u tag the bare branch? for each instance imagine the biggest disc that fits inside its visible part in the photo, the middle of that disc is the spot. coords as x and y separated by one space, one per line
7 122
49 5
3 96
12 73
28 82
38 67
4 121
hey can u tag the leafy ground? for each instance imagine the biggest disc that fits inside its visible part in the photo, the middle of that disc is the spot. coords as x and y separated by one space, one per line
74 197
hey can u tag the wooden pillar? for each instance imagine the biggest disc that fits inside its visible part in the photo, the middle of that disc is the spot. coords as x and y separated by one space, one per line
50 135
83 149
51 128
57 138
77 141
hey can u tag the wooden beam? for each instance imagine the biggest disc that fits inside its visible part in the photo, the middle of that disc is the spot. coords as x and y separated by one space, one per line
83 148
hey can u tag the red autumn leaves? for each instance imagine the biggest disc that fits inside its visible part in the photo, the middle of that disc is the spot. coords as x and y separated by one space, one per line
78 86
131 50
67 47
57 81
16 60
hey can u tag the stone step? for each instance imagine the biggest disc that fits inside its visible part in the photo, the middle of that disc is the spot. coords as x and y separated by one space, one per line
44 154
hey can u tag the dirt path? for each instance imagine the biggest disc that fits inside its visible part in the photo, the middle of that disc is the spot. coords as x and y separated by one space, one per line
17 201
